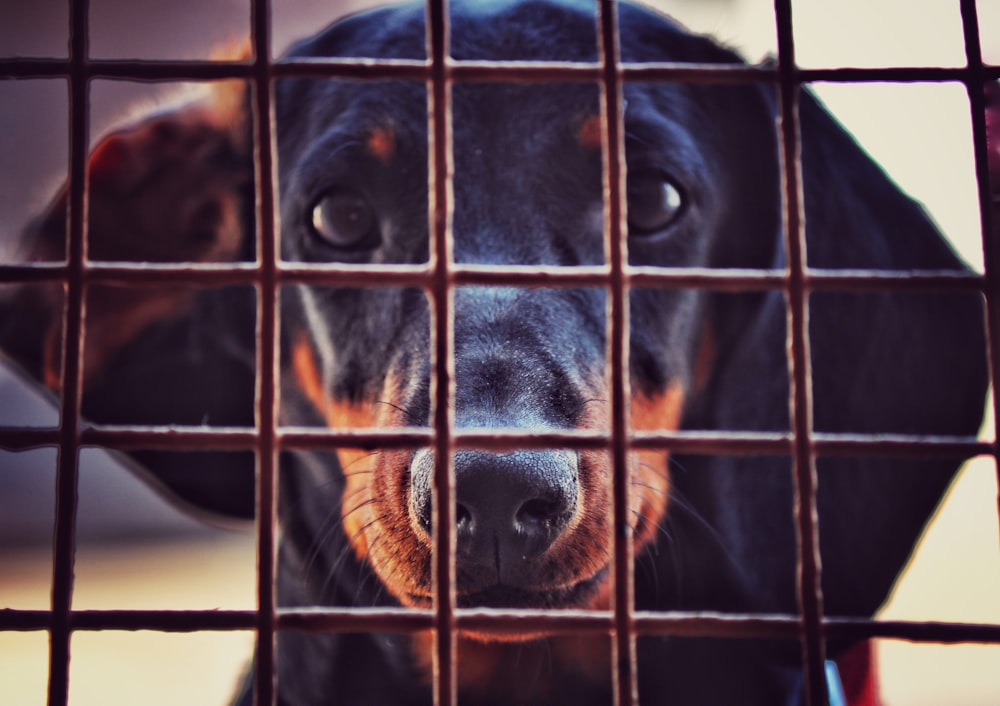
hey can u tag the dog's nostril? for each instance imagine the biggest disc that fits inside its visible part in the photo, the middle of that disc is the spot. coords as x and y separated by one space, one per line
539 513
463 518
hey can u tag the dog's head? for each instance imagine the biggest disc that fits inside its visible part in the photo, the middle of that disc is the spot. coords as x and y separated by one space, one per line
533 525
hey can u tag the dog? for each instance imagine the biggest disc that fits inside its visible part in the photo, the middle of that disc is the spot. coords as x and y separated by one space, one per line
711 532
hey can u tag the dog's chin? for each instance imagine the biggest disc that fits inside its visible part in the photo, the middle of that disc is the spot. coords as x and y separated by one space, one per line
583 595
580 595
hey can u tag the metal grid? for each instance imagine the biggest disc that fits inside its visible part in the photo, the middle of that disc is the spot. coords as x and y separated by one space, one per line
268 274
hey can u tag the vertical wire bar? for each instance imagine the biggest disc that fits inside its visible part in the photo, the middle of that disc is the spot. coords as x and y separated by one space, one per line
67 471
439 118
989 225
806 519
267 376
625 680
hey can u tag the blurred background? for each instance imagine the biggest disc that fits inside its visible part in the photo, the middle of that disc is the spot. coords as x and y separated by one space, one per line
135 551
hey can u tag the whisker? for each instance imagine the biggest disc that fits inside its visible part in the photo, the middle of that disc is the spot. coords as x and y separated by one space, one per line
409 415
329 526
658 526
352 495
591 400
346 551
371 574
359 459
642 484
680 504
659 472
652 549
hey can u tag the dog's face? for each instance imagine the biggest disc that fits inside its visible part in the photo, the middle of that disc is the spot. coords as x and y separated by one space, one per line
533 526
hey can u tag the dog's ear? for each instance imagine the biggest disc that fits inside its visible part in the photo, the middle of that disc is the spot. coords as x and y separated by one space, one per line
882 362
903 362
173 187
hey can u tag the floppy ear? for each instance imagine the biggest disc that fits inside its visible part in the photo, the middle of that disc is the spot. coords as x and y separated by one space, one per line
883 362
174 187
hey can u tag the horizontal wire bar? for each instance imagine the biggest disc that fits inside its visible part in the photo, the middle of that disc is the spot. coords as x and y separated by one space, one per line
700 624
899 446
895 74
356 438
912 630
24 439
134 69
29 272
898 280
722 279
781 626
350 619
181 438
160 620
478 71
740 73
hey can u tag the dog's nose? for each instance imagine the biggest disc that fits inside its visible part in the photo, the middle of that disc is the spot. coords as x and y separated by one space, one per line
509 508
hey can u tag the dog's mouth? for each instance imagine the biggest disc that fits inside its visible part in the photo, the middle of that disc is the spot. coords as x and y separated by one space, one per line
581 594
584 593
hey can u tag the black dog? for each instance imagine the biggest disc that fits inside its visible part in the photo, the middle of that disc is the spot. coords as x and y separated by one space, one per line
533 527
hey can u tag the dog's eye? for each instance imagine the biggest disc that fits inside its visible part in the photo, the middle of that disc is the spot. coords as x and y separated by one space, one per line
654 202
345 219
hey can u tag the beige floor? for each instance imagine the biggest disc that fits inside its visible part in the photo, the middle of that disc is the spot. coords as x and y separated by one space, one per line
955 577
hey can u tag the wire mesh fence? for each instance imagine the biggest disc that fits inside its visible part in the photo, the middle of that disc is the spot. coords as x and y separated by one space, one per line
438 278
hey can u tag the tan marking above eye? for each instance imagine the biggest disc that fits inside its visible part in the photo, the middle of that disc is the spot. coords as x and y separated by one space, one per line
382 144
591 133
